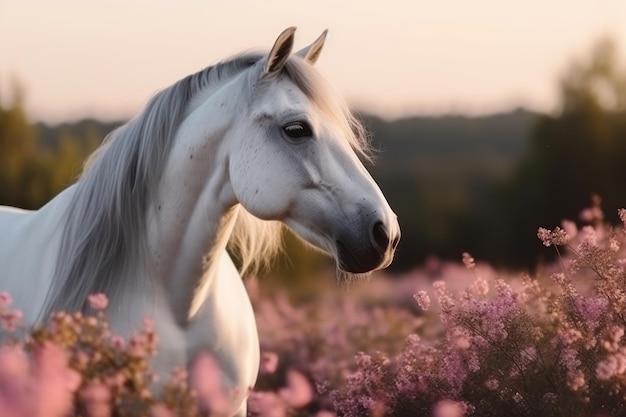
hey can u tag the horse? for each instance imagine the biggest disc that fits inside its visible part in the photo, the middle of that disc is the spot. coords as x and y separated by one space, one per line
222 159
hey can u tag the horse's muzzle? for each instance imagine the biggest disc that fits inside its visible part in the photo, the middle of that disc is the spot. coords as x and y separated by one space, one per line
365 255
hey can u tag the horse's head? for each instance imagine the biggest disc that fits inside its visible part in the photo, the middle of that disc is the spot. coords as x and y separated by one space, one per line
297 161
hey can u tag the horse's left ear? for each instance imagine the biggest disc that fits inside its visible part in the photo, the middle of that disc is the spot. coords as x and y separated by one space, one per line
280 53
312 52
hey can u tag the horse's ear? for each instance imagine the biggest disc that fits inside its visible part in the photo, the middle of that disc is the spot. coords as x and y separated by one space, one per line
312 52
280 53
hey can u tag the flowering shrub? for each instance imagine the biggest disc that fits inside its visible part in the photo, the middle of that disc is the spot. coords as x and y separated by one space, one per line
552 345
75 364
309 349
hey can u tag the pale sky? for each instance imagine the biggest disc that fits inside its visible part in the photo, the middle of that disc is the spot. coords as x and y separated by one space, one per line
106 58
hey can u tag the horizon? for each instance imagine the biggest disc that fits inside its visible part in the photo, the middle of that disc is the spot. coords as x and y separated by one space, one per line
359 112
78 61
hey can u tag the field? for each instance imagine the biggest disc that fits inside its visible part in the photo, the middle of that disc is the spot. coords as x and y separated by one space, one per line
488 344
448 339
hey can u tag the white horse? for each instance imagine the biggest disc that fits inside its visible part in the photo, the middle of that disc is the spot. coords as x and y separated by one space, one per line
223 156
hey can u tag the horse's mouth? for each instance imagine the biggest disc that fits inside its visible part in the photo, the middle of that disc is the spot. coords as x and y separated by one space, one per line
368 261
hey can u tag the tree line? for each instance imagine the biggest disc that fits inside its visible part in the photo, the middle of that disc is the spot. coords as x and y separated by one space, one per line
477 184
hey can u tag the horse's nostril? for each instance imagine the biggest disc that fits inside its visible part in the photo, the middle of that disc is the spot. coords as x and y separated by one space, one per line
379 235
395 241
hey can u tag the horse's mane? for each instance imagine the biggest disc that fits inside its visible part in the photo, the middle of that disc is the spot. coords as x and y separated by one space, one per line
103 238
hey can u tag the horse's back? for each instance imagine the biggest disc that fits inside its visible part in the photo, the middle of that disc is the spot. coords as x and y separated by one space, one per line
11 220
29 242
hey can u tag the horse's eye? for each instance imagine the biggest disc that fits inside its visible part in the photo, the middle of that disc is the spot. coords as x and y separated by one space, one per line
297 130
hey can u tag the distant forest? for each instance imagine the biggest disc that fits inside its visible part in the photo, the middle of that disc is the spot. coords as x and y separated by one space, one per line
477 184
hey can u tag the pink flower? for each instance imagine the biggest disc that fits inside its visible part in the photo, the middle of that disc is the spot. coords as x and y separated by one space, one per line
117 342
622 215
179 377
570 228
269 362
298 392
591 309
590 238
206 379
459 338
115 381
454 370
267 404
449 408
586 215
137 346
11 320
5 300
558 237
615 335
569 359
325 413
550 397
492 384
82 358
97 399
480 287
159 410
575 380
468 261
570 336
614 244
545 236
422 299
98 301
54 382
14 379
594 213
612 366
446 301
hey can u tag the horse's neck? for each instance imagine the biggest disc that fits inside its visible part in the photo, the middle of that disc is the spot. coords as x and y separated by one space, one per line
191 219
196 267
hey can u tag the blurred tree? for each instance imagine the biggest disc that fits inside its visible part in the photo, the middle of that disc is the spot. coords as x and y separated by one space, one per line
31 173
18 146
69 156
439 175
577 152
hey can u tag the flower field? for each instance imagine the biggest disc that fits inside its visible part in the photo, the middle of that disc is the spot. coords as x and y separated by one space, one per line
474 341
446 340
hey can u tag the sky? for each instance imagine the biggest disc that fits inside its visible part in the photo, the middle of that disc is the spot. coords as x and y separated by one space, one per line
106 58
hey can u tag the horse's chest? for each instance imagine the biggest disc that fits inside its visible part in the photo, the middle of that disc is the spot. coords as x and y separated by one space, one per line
225 327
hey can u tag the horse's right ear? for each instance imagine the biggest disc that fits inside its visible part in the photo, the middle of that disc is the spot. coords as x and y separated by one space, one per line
279 54
312 52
